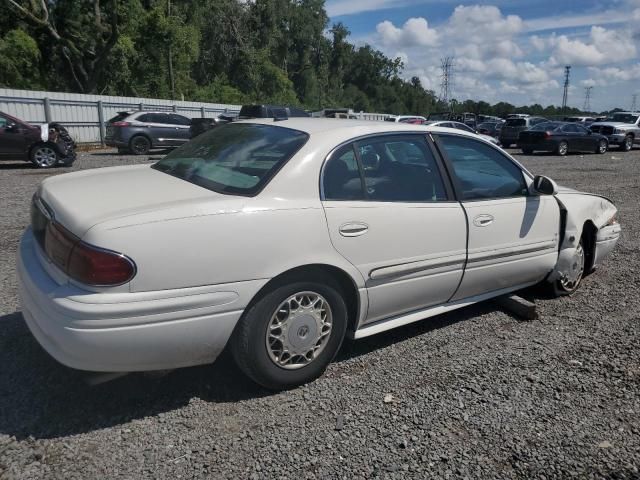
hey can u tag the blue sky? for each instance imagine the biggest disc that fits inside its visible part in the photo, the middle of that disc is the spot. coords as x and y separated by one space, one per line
511 51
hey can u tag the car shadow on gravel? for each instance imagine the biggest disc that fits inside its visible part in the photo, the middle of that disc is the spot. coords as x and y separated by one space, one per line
16 165
40 398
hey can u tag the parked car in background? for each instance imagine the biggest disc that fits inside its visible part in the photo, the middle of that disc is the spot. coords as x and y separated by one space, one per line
287 236
464 128
412 119
490 128
516 124
270 111
561 138
621 129
467 118
584 120
201 125
139 132
45 145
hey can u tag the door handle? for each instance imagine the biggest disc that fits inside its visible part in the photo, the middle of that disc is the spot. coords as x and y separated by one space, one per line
483 220
353 229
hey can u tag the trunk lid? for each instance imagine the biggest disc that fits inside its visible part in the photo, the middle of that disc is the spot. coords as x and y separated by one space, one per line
81 200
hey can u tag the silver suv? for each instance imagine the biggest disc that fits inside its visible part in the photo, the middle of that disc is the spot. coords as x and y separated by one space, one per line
139 132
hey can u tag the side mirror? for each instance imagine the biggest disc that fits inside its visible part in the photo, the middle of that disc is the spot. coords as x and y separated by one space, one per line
544 185
12 128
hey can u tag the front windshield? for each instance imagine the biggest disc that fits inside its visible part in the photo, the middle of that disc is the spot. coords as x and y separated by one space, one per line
624 117
238 158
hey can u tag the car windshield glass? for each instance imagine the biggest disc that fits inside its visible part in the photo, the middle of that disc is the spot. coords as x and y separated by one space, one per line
235 158
546 126
624 117
516 122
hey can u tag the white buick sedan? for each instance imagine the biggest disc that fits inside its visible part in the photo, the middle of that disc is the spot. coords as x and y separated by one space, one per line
278 238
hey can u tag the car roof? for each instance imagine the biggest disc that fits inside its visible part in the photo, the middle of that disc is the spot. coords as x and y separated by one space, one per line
349 127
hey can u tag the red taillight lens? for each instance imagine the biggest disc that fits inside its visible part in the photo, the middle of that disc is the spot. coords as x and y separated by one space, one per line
547 134
95 266
86 263
120 124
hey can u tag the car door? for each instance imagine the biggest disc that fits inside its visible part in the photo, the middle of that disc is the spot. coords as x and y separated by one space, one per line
181 126
513 234
574 139
12 139
588 141
391 214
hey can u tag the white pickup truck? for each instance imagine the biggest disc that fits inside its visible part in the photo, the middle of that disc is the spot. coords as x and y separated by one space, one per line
621 129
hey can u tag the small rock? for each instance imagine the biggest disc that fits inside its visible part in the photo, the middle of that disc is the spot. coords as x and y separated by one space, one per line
340 422
388 398
605 444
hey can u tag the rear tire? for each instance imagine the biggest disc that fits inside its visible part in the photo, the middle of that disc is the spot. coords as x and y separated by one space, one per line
602 147
44 156
563 148
291 333
527 151
139 145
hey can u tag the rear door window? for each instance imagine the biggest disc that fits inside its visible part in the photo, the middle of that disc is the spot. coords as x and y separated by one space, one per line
119 117
179 119
516 122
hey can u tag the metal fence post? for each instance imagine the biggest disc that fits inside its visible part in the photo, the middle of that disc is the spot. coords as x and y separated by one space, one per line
101 122
175 108
141 106
202 112
47 110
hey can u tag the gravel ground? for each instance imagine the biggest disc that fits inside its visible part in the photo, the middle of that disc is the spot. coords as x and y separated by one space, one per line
471 394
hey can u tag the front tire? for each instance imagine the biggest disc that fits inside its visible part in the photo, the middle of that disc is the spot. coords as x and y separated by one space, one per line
291 333
627 145
571 281
44 156
602 147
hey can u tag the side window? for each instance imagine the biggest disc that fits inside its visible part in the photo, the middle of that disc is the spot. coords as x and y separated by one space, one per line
3 122
400 169
570 128
179 119
162 118
482 170
582 129
341 177
145 118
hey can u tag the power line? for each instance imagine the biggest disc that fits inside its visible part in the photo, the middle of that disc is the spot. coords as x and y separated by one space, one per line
567 71
587 99
446 79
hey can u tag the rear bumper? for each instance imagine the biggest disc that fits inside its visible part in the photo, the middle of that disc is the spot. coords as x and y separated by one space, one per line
112 142
126 332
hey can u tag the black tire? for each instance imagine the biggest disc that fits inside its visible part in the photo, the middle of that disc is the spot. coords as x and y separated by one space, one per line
249 341
44 155
527 151
602 146
627 145
562 149
560 287
139 145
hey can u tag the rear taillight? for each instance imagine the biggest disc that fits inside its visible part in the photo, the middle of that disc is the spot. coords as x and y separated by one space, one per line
547 134
86 263
120 124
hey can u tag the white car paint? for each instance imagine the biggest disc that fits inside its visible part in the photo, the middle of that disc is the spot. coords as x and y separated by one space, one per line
202 256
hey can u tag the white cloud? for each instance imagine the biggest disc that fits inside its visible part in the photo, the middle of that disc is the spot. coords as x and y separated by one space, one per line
603 46
556 22
415 32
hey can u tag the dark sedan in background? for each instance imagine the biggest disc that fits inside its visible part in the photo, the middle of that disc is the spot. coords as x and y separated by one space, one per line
490 128
561 138
513 126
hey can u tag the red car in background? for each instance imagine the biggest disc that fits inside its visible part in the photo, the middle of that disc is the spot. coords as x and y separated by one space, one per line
45 146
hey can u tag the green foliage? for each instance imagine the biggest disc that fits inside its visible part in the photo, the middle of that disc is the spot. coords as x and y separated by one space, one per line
19 61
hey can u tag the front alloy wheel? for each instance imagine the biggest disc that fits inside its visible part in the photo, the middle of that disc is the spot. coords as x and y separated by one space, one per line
627 145
570 280
44 157
291 332
563 148
602 147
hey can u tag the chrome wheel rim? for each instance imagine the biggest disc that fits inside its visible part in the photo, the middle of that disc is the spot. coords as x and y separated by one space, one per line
562 149
603 147
628 143
299 330
570 281
45 157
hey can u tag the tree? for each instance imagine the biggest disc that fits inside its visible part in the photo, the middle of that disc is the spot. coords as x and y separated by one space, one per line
19 61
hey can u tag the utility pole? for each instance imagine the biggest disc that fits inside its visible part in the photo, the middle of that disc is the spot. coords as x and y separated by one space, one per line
172 81
587 99
567 71
634 99
446 79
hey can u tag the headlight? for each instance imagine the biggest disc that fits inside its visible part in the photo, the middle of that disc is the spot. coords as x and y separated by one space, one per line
612 221
618 130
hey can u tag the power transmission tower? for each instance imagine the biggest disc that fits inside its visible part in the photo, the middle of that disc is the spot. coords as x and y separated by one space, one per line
446 79
567 71
634 99
587 99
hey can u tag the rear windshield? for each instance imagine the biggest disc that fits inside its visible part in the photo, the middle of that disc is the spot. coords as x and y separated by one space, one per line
516 122
237 158
546 126
119 117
